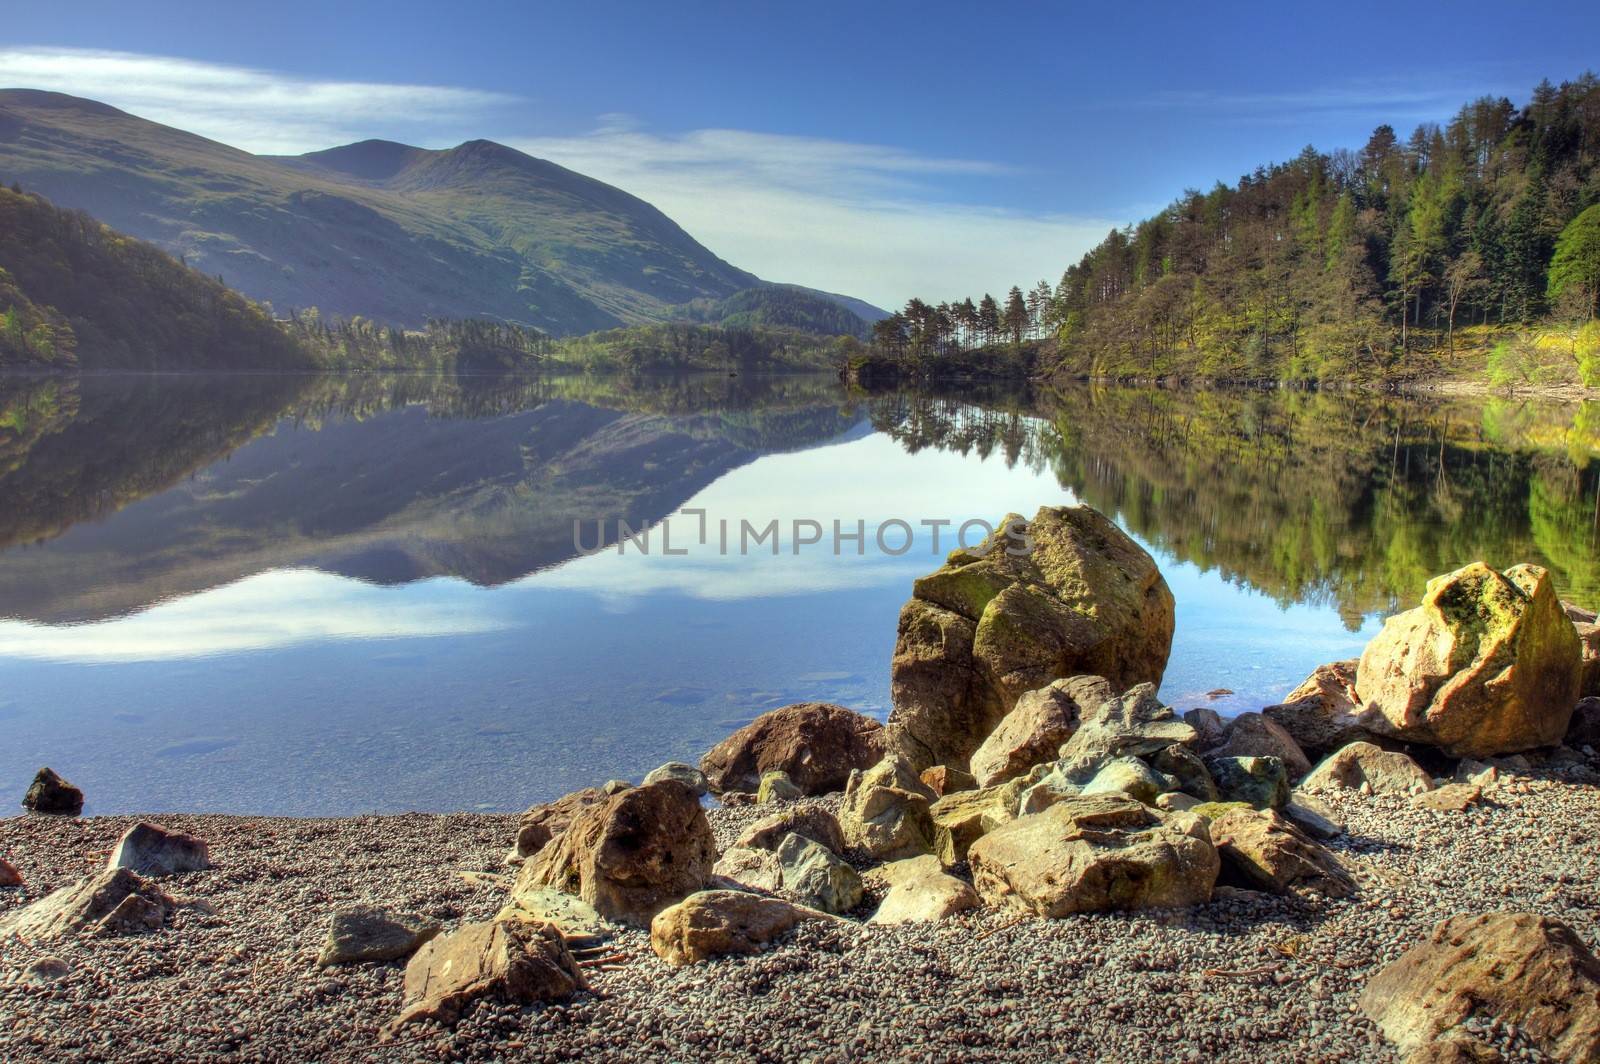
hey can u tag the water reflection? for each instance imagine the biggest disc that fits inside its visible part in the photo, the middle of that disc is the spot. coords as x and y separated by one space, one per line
323 594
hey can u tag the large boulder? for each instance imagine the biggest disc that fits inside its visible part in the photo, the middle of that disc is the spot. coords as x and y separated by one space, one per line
816 876
1267 851
49 793
991 625
1187 771
503 960
1518 969
1257 735
152 850
885 811
1488 664
811 821
114 902
720 923
817 744
1032 732
631 855
367 933
543 823
748 868
1090 854
1382 771
1322 714
1129 776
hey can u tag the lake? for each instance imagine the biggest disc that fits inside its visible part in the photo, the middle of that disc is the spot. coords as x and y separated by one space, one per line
328 595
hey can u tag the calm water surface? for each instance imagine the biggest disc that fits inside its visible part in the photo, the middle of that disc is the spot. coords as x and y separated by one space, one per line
331 595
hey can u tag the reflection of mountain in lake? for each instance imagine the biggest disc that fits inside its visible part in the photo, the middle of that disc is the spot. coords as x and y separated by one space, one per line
116 493
1354 500
384 480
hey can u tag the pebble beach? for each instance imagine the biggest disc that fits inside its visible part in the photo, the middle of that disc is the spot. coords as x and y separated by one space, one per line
1250 976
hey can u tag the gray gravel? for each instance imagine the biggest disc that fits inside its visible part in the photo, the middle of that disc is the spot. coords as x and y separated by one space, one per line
1247 978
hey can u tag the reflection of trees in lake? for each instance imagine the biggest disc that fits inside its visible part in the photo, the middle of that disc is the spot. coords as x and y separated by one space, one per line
1350 500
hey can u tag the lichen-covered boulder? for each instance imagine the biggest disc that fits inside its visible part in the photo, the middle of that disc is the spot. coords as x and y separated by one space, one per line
991 625
1322 714
1519 969
631 855
1382 771
776 786
1187 771
1487 664
721 923
504 960
1031 733
885 812
1257 735
817 744
1090 854
815 876
1260 782
1268 852
1136 724
1126 775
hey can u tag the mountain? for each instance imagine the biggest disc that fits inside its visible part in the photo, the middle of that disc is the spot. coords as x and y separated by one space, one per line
76 294
383 230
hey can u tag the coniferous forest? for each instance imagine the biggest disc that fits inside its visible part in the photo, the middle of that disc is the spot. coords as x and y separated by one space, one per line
1467 249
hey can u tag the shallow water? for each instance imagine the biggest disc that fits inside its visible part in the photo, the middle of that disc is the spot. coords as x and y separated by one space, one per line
330 595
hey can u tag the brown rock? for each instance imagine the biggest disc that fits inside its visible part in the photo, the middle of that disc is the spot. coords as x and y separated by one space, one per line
9 876
943 780
811 821
1267 851
1209 728
1257 735
1321 714
543 823
509 961
1383 771
1517 968
1030 734
747 868
991 625
49 793
115 902
720 923
817 744
631 855
1451 798
366 933
1488 664
1096 853
961 819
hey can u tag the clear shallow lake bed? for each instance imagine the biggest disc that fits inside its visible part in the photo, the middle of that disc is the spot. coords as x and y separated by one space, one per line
332 595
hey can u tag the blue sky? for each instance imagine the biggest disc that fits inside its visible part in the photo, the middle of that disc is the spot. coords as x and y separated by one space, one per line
883 149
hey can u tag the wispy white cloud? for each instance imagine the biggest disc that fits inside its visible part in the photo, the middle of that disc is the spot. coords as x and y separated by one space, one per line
258 110
876 221
1399 99
871 220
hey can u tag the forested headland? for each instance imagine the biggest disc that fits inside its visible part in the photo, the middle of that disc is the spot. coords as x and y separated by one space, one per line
1470 249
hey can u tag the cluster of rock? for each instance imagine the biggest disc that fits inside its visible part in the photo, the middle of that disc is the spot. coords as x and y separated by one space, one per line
1029 766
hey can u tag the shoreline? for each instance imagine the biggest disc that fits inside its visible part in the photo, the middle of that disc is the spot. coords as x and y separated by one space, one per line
1247 977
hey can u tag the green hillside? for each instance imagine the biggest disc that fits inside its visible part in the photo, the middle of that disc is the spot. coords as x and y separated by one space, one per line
377 229
75 293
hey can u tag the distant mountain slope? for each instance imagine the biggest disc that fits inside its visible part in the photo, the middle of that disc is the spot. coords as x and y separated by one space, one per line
379 229
782 306
75 293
